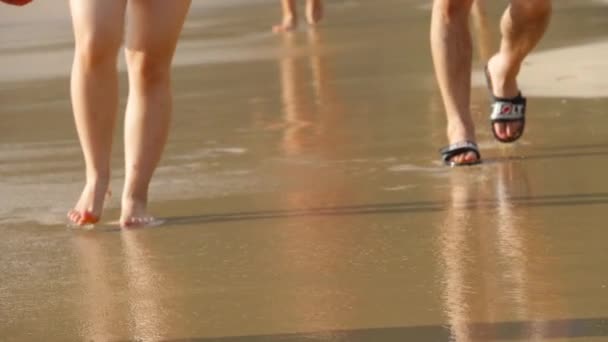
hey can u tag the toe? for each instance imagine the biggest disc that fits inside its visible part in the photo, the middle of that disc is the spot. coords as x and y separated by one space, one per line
127 224
139 222
459 159
509 131
131 222
514 130
82 218
89 218
282 28
464 158
469 157
500 130
74 217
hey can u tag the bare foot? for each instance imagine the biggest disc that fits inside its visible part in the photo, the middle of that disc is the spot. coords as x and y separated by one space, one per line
89 207
314 11
287 25
135 215
504 85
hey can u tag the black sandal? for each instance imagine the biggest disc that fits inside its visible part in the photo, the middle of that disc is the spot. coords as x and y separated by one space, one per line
506 110
449 152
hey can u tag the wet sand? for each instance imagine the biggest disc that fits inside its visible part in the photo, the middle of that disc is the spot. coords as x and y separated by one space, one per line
303 194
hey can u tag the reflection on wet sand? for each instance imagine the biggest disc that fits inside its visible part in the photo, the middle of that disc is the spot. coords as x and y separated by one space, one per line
291 234
147 319
99 316
490 259
309 116
311 112
298 111
104 317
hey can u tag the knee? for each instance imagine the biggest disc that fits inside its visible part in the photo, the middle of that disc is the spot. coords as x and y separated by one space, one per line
93 53
453 9
147 68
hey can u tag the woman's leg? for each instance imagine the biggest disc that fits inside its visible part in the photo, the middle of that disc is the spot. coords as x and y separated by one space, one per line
98 32
153 29
290 16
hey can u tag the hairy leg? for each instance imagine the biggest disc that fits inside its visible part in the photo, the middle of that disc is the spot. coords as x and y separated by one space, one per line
152 35
522 26
98 32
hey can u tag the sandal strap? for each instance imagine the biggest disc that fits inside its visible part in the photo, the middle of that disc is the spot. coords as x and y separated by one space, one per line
504 109
458 148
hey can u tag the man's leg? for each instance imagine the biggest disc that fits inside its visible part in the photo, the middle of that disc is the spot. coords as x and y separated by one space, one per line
452 56
523 25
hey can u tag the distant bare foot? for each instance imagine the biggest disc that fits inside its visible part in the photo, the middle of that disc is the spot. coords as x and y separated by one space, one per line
135 215
314 11
288 24
89 207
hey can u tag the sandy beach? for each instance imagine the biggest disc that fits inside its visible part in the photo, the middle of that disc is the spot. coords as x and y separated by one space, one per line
572 71
44 29
302 192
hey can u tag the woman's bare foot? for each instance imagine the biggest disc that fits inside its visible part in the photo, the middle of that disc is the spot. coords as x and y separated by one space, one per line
314 11
504 85
288 24
135 214
89 207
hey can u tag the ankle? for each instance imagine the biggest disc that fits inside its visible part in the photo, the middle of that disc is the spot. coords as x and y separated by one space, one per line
505 65
460 130
289 19
97 183
503 74
132 205
134 198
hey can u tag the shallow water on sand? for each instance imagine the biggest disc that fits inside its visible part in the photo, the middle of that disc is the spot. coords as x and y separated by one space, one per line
305 201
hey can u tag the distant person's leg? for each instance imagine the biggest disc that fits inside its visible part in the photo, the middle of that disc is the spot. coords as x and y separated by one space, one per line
451 46
314 11
153 30
98 31
290 16
523 25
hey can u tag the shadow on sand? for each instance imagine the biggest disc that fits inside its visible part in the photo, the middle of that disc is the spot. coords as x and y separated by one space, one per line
554 329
